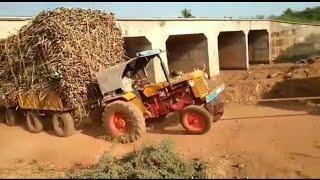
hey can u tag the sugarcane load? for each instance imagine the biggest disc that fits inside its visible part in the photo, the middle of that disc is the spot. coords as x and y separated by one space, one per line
58 53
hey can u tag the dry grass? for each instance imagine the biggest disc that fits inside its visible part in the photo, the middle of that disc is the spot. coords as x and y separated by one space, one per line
34 169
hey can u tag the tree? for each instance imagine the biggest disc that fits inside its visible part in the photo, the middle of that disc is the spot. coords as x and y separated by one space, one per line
186 13
310 15
288 12
272 17
259 16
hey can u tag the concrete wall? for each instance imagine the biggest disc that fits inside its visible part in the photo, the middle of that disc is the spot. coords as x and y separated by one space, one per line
232 50
282 36
10 27
136 44
158 31
258 46
289 40
187 52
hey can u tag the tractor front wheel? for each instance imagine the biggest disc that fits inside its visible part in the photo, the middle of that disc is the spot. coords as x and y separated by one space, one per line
63 124
196 119
34 123
123 121
11 117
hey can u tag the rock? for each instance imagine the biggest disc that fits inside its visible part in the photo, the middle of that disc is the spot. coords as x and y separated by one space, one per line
302 62
311 104
298 76
270 76
258 87
310 61
241 165
252 98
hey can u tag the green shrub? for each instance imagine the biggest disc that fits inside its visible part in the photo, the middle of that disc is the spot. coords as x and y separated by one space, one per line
155 161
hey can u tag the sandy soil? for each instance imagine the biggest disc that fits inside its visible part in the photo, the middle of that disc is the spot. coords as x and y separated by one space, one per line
265 81
249 141
262 140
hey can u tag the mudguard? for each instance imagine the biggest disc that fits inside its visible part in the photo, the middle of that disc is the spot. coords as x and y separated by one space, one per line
215 93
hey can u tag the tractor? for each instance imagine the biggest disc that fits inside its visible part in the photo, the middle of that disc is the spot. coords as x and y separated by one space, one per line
129 98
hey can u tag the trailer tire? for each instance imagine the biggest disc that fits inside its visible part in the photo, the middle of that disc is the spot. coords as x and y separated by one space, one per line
66 120
11 117
123 121
34 123
196 119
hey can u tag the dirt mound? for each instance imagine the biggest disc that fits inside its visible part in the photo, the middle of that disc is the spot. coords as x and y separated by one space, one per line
61 50
276 81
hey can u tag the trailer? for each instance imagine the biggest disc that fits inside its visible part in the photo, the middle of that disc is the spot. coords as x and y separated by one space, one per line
36 108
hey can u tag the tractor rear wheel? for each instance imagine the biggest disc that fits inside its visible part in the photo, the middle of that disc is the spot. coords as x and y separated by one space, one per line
34 123
123 121
196 119
63 124
11 117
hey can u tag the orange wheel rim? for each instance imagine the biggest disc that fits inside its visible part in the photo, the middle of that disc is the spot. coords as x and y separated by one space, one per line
195 122
119 124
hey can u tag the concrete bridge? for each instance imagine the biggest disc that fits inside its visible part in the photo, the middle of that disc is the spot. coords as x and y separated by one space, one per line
216 44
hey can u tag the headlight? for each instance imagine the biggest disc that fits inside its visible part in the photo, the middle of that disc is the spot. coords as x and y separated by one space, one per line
191 83
206 75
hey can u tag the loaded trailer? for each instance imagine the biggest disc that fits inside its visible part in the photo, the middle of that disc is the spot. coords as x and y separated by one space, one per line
36 107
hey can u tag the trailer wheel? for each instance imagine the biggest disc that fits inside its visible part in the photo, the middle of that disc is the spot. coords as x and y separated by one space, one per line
196 119
11 117
34 123
63 124
123 121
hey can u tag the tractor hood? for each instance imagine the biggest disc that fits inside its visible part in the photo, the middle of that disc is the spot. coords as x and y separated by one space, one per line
187 76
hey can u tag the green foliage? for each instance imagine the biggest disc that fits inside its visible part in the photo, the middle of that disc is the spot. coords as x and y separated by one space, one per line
156 161
308 15
260 17
186 13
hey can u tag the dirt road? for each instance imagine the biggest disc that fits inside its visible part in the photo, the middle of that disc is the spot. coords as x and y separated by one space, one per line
284 143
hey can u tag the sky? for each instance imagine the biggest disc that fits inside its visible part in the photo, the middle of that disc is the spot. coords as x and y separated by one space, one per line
160 9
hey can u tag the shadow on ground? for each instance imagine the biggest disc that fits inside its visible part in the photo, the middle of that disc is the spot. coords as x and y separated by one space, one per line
21 123
292 88
163 125
166 125
94 127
